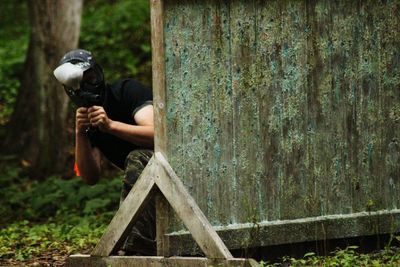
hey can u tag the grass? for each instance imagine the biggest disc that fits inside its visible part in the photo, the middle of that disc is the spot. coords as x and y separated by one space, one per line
349 257
24 242
42 222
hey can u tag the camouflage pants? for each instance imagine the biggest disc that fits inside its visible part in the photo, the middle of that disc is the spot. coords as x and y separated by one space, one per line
142 239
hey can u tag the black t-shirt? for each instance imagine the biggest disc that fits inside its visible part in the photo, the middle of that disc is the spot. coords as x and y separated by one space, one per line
122 100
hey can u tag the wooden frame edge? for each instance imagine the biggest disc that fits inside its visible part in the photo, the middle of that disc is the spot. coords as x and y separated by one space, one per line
158 69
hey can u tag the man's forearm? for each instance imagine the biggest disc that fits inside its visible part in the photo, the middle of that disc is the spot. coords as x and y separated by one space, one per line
139 135
87 158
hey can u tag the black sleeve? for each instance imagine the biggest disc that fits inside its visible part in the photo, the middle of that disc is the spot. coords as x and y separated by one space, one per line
136 96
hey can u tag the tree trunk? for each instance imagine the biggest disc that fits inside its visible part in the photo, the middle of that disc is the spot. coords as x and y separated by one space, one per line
37 129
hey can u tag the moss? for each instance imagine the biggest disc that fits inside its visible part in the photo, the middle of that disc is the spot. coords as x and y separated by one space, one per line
287 108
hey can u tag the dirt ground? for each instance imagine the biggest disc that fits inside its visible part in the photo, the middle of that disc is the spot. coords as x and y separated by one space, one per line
43 261
52 258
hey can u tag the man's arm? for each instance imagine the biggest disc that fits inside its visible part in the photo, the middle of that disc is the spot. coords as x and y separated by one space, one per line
141 134
86 157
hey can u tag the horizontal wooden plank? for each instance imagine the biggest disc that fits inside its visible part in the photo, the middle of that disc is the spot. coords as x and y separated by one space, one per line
249 235
114 261
118 261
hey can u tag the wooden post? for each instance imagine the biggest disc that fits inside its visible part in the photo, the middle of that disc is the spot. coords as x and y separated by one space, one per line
158 64
157 45
162 218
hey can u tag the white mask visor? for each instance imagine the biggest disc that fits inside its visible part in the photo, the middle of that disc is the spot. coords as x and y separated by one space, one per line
69 75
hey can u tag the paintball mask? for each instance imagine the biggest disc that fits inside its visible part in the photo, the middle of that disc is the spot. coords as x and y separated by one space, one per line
82 78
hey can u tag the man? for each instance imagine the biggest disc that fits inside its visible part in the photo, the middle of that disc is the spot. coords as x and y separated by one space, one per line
117 122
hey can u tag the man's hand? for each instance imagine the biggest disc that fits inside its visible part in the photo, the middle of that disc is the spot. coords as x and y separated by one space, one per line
82 120
86 156
98 118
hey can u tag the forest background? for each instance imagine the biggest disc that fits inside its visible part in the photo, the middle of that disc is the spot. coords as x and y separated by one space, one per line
45 218
46 215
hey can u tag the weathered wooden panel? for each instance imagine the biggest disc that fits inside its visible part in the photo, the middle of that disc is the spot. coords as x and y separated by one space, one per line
280 110
209 137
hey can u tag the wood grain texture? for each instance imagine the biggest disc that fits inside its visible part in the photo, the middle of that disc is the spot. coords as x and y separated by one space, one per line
157 48
187 210
162 222
115 261
280 110
308 229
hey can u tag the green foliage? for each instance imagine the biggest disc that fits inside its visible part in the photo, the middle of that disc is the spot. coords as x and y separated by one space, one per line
13 47
54 215
66 216
118 34
39 200
23 240
348 257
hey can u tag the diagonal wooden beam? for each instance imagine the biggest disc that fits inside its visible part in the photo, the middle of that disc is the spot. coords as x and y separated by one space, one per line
128 212
187 210
158 173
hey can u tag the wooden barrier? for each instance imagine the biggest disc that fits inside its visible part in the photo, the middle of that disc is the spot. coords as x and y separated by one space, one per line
158 174
280 118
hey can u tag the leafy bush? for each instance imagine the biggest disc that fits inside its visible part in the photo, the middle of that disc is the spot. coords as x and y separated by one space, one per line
23 240
13 47
39 200
54 215
118 34
348 257
61 216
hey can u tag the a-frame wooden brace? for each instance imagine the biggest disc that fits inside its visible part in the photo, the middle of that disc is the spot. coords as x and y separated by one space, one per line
159 178
158 174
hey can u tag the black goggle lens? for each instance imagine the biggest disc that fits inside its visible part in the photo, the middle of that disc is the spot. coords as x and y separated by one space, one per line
92 76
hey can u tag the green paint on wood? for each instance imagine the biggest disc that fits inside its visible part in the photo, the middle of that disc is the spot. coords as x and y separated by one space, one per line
282 110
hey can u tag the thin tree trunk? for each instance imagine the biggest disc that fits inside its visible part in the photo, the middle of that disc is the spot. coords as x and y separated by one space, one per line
37 129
